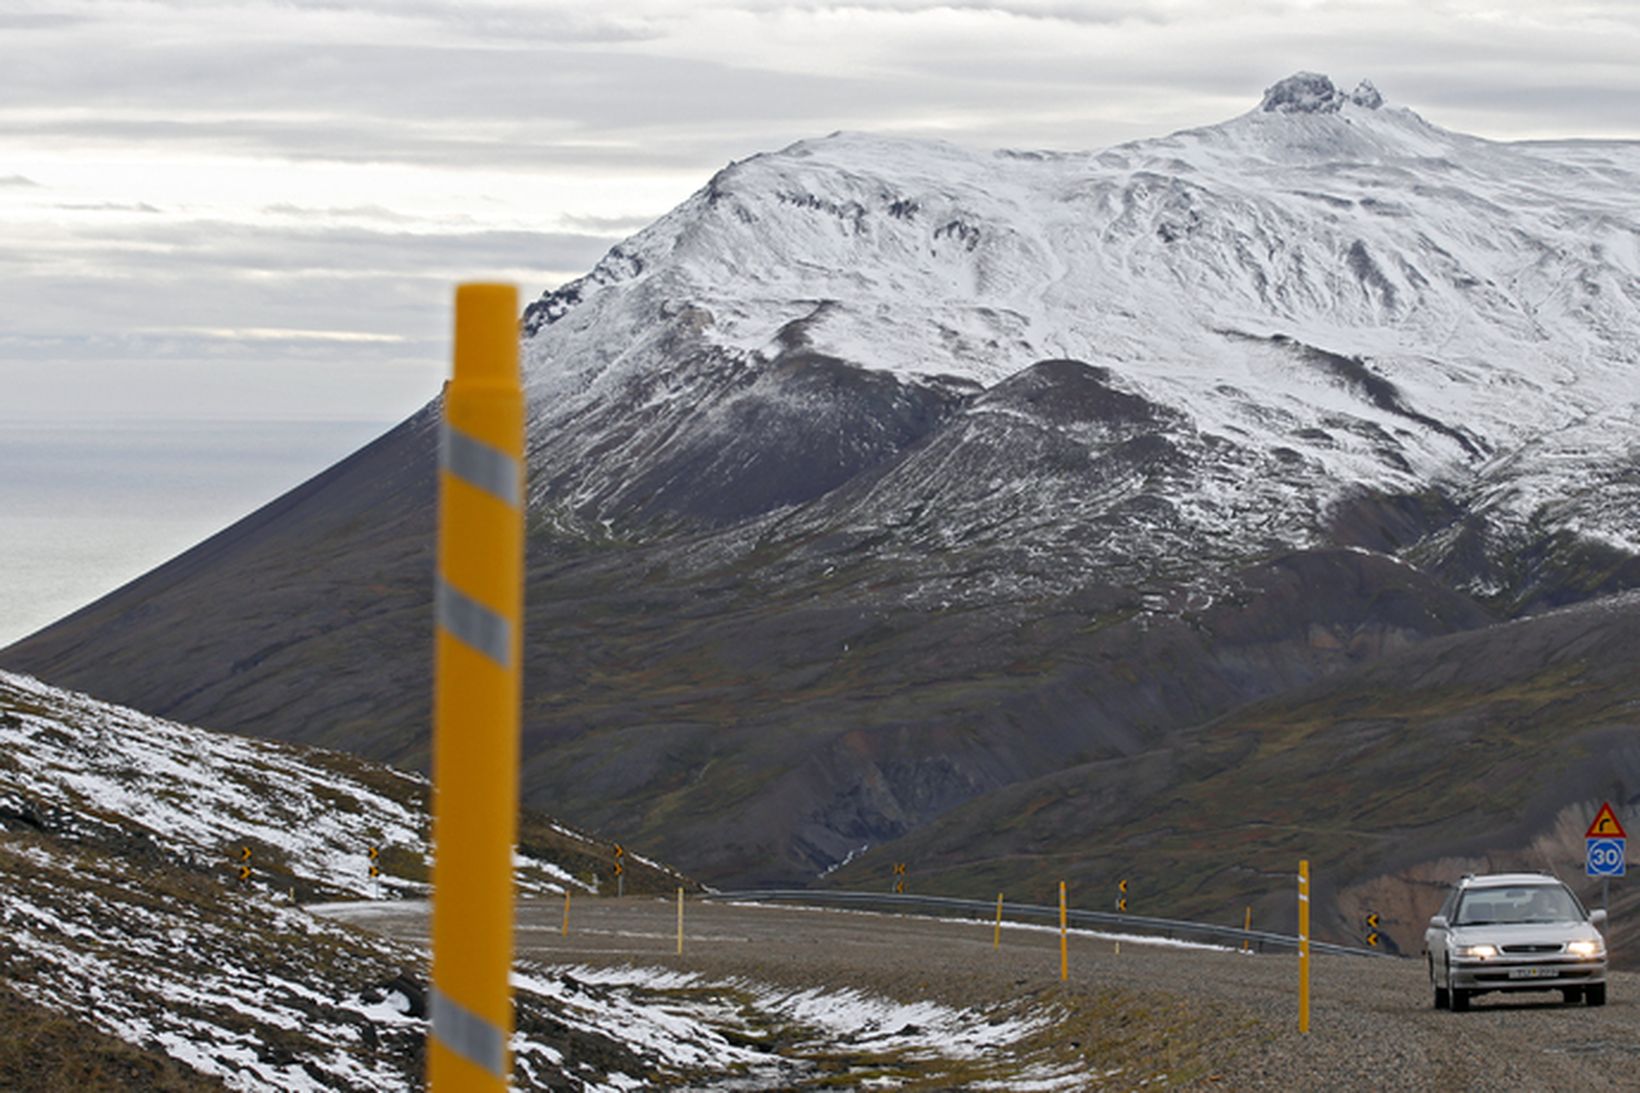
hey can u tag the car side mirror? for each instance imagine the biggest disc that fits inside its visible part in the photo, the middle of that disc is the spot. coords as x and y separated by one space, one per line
1597 917
1438 922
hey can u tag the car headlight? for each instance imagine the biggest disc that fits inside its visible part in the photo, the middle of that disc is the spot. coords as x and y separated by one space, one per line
1585 948
1478 952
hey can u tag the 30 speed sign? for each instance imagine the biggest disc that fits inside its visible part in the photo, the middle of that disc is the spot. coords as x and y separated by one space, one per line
1605 858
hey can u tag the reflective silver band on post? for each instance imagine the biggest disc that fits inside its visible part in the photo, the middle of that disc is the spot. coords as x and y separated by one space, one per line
467 1034
479 465
473 624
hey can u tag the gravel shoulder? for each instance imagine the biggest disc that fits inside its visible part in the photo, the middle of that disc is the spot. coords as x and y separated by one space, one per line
1195 1018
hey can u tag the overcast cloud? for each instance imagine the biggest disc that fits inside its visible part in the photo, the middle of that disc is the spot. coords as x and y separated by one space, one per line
278 196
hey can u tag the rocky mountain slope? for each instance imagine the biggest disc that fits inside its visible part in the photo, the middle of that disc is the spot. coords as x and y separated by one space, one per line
882 476
1484 751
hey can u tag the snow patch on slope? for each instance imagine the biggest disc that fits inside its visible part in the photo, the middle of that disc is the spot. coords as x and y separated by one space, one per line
194 793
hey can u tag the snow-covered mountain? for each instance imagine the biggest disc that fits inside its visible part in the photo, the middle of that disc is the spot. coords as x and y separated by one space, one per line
1323 296
883 475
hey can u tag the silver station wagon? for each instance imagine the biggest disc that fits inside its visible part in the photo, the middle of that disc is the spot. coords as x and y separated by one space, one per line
1515 932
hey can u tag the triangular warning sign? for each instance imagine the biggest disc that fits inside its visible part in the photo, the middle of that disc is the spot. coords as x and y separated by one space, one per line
1606 825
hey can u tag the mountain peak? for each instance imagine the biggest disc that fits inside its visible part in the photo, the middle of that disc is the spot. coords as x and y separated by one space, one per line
1313 93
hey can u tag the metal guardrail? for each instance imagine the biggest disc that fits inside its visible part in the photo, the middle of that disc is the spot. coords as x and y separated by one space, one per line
1171 928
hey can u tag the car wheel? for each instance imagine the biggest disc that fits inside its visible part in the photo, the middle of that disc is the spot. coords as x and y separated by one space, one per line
1442 999
1595 994
1572 995
1460 1000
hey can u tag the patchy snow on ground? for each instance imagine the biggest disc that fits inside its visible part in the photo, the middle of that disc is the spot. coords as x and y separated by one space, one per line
196 794
120 904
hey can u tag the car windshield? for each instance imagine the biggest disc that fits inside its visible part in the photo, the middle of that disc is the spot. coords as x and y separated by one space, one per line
1518 904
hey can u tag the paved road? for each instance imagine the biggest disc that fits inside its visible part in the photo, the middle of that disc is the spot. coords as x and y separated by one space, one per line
1209 1019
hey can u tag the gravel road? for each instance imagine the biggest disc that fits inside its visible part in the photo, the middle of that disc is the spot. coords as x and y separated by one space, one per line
1187 1017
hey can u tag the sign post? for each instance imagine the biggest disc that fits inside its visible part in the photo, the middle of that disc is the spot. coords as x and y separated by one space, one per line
1121 907
478 647
620 871
1304 945
1606 850
1064 942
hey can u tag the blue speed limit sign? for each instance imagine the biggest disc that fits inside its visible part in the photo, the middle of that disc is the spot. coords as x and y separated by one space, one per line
1605 857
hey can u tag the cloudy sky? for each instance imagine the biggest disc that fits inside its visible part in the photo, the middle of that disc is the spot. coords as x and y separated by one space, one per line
257 210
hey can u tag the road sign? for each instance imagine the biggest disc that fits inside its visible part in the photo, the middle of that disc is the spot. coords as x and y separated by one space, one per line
1121 886
1121 903
1372 939
244 872
1372 920
374 853
619 869
244 853
1606 825
374 872
1605 857
619 850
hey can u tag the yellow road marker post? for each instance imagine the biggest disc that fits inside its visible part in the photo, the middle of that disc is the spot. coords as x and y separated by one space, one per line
1064 938
996 938
1247 924
479 597
1304 945
565 931
680 921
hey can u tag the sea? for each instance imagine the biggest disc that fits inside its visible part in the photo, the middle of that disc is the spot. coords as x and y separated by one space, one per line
87 506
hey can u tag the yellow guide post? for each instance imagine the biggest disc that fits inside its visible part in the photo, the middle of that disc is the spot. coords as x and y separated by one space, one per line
996 938
680 921
566 913
1064 941
1246 924
1304 945
479 597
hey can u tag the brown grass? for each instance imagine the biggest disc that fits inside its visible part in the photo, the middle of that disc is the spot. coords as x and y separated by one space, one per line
46 1052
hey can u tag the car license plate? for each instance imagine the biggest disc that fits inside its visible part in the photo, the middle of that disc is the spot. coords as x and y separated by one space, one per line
1533 973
